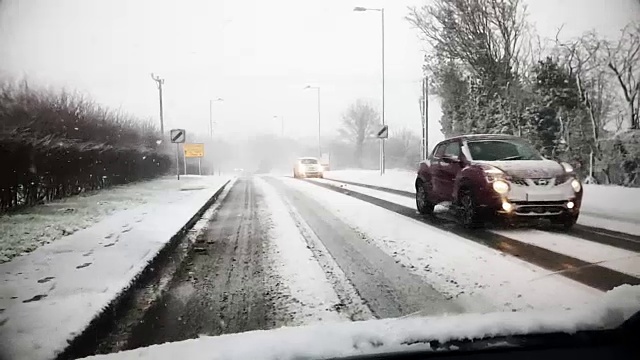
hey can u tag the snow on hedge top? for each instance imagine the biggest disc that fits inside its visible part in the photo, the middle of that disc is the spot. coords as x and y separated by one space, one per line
374 336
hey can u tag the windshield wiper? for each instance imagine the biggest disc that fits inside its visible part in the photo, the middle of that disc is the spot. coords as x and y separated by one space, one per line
515 157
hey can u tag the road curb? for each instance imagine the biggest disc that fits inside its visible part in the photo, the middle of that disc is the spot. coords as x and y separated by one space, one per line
84 343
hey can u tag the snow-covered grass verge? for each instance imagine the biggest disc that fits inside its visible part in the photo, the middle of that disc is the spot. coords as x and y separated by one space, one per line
25 231
480 278
308 295
609 207
51 295
378 336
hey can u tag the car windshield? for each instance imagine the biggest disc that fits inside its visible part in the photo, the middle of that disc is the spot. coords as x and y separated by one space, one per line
502 150
176 171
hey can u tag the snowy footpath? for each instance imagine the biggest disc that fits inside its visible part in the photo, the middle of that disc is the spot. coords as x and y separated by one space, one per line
608 207
50 296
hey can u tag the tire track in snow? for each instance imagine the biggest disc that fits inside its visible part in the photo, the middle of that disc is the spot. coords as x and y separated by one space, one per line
305 294
389 289
592 275
351 304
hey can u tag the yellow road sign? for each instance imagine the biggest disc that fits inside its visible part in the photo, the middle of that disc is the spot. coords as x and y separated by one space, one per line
193 150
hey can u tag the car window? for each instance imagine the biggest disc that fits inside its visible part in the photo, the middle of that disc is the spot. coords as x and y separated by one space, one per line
493 150
452 149
308 161
438 151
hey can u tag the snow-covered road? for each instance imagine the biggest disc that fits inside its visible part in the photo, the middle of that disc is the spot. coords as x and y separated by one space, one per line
287 252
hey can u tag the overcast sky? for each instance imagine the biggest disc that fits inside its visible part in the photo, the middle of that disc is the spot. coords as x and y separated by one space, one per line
256 54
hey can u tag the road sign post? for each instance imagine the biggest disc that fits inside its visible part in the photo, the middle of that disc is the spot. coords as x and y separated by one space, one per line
184 160
178 160
382 134
178 136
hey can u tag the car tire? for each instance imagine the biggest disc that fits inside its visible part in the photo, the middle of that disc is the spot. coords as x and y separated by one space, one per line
468 212
424 206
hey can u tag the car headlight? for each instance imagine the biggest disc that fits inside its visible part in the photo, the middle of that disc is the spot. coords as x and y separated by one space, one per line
575 184
567 167
501 187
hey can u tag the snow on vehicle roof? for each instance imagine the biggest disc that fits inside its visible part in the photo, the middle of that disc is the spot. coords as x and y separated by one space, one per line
483 136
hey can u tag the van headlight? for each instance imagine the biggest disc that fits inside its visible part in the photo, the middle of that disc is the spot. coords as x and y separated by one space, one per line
501 187
575 184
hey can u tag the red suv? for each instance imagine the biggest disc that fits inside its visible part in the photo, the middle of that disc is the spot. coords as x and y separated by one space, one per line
485 176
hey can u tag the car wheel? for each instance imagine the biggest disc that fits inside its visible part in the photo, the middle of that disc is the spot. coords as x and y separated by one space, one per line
468 210
422 200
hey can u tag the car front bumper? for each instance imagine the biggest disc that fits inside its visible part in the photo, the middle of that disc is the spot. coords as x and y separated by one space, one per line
310 172
528 201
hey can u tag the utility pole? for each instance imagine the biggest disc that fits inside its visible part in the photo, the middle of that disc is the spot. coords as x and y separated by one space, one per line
382 154
319 140
424 107
160 82
381 10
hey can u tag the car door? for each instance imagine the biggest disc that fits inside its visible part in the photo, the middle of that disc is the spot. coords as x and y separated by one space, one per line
435 170
450 166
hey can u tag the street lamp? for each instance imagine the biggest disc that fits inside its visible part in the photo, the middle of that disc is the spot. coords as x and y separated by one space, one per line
281 124
381 10
211 101
211 115
319 146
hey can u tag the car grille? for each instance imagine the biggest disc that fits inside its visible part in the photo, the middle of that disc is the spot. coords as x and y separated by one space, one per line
542 181
544 208
521 182
533 182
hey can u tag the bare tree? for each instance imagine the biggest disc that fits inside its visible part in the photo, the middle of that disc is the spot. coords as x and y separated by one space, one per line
403 148
581 57
358 124
623 59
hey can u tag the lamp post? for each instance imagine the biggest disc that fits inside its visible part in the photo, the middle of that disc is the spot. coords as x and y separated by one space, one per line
211 101
281 124
211 115
381 10
319 146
